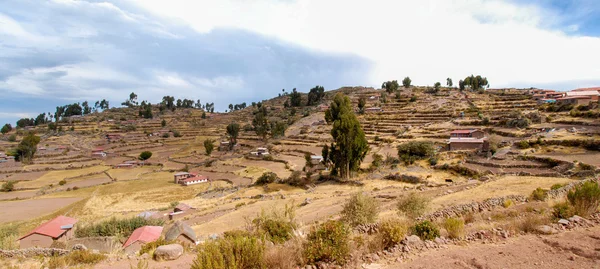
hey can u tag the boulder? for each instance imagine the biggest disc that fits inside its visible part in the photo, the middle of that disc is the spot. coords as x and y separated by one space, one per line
413 240
545 229
563 222
79 247
168 252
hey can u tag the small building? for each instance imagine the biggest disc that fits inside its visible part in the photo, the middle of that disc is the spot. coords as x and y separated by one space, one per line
224 145
260 152
593 94
141 236
575 100
186 179
468 143
316 159
373 109
474 133
182 233
59 229
98 152
124 165
546 101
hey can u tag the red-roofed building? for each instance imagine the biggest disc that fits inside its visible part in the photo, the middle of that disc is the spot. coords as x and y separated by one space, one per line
575 100
60 229
468 133
187 179
141 236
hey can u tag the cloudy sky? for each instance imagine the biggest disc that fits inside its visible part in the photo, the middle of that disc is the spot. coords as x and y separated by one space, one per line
231 51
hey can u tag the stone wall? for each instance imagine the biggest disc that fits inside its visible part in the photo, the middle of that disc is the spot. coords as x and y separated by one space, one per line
33 252
103 244
459 210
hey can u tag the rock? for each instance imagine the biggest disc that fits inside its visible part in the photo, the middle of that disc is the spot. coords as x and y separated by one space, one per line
563 222
578 220
439 241
168 252
545 229
78 247
413 240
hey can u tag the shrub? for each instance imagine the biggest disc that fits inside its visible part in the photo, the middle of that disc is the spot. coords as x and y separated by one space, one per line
360 209
409 152
557 186
8 237
278 226
392 231
539 194
145 155
523 144
266 178
585 198
296 179
12 138
433 161
231 252
530 223
287 256
328 243
74 258
176 134
562 210
455 227
507 203
208 146
62 182
413 205
58 244
165 135
114 226
8 186
377 161
150 247
426 230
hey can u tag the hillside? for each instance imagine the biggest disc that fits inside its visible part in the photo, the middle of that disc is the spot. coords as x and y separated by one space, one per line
555 150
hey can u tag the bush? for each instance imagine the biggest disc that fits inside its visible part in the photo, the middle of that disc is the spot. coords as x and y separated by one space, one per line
392 231
231 252
557 186
208 146
114 226
150 247
296 179
75 258
278 226
433 161
585 198
12 138
328 243
539 194
266 178
62 182
426 230
530 223
166 135
413 205
507 203
8 237
455 227
523 144
145 155
176 134
409 152
360 209
8 186
562 210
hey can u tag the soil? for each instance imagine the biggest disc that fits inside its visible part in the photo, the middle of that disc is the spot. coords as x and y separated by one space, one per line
29 209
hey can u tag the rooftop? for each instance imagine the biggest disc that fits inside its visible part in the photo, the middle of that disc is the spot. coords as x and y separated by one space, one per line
53 228
145 234
466 140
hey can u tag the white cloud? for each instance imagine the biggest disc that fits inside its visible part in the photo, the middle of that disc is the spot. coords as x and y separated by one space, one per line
15 115
427 40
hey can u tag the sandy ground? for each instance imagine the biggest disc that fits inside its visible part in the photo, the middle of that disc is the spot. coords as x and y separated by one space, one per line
17 195
574 249
29 209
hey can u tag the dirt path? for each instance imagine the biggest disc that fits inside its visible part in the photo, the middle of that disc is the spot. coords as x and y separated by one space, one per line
184 261
574 249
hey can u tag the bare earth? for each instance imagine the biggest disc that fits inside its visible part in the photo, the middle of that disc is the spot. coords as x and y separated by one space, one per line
29 209
574 249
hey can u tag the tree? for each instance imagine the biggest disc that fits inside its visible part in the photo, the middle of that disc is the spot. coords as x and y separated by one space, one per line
449 82
86 108
437 86
203 115
208 146
163 123
145 155
295 98
6 128
261 123
406 82
168 102
233 130
230 107
461 85
315 95
278 129
24 122
476 82
362 102
145 110
27 148
133 98
350 146
390 86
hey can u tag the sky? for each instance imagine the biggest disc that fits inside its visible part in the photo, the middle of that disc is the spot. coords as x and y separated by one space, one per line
57 52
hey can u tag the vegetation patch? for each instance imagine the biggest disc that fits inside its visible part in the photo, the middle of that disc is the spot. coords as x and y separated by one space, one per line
114 227
329 242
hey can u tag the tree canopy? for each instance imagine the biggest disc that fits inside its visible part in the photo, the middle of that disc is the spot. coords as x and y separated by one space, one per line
475 82
145 155
406 82
233 131
27 148
449 82
390 86
295 98
315 95
261 122
350 145
6 128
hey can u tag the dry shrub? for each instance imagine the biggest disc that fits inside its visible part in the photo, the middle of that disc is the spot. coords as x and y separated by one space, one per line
277 226
284 256
152 246
469 218
8 237
426 230
413 205
232 252
75 258
360 209
455 227
585 198
329 242
507 203
562 210
531 222
538 194
392 231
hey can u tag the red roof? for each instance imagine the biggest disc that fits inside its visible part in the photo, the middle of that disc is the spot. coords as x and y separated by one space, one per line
145 234
53 228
